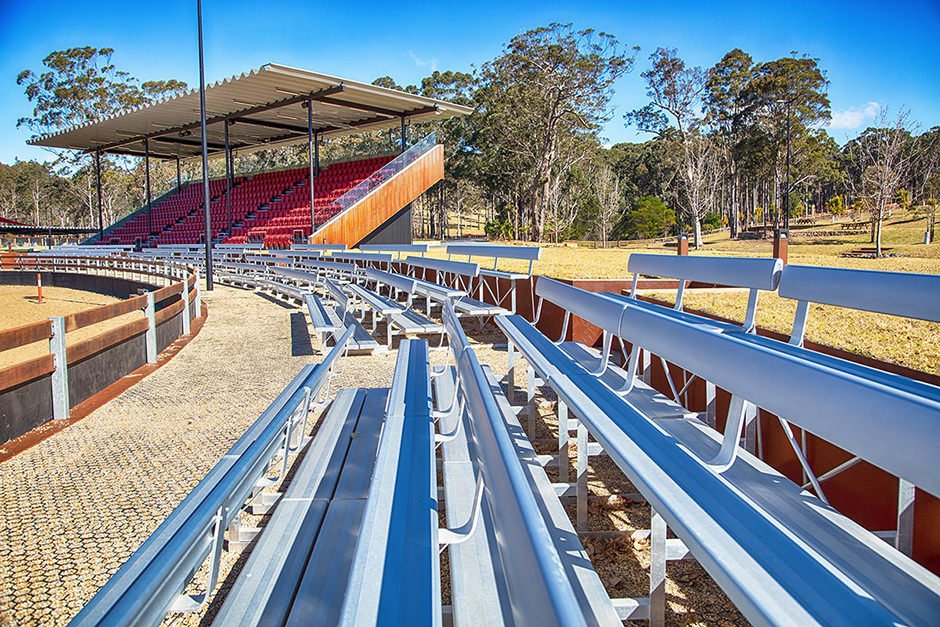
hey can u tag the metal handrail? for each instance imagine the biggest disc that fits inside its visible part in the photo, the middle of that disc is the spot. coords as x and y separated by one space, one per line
150 583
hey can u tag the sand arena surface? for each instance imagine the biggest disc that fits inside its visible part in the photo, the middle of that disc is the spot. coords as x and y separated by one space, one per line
19 305
74 507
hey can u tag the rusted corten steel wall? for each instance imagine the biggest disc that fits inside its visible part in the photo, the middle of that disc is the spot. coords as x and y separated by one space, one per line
93 364
865 493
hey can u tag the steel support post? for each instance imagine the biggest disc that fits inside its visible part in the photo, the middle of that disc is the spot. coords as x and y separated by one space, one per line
228 180
186 307
151 336
60 376
179 175
205 149
904 541
582 489
530 399
563 436
657 570
98 187
311 164
198 295
147 179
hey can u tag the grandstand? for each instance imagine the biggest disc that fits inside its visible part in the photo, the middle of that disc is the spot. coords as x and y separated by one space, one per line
250 112
381 464
268 207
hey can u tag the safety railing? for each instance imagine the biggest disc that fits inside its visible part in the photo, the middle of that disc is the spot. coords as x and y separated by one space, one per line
172 289
386 172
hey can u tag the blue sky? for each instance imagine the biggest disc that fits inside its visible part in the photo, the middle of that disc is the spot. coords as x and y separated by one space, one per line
364 40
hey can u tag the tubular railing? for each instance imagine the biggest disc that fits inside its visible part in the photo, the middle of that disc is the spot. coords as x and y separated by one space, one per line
175 290
383 174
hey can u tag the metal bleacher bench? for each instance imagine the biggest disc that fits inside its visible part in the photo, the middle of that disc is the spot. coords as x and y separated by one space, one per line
463 304
397 315
520 560
497 252
152 581
781 554
354 540
332 320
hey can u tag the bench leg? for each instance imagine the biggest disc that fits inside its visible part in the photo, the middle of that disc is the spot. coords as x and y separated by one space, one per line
511 373
530 399
657 570
904 541
710 411
582 491
562 441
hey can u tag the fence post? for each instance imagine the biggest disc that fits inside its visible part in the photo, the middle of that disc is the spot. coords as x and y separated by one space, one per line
150 311
185 296
60 376
198 295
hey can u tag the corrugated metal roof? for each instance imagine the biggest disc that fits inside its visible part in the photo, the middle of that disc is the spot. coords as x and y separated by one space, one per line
264 107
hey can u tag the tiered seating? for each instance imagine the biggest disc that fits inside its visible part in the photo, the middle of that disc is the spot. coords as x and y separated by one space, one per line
269 207
167 212
290 213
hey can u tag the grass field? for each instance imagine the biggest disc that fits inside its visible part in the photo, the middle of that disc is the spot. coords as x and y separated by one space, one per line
911 343
19 306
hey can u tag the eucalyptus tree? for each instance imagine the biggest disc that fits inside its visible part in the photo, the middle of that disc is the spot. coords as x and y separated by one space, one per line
727 103
881 157
675 114
549 87
77 86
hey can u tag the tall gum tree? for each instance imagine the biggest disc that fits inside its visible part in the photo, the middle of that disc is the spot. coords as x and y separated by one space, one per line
549 86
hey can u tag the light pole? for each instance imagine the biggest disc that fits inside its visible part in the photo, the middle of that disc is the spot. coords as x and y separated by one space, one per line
205 152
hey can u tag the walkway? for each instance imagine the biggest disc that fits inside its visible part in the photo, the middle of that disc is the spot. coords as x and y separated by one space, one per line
75 506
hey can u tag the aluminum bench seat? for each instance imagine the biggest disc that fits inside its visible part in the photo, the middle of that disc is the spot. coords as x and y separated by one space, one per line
287 291
395 577
341 317
320 316
531 254
773 572
650 401
477 594
543 573
315 522
755 274
464 304
397 315
296 276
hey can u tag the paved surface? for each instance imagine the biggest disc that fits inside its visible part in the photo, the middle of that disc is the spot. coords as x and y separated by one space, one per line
74 507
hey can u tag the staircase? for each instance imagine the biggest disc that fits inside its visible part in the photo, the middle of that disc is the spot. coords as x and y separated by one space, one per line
376 202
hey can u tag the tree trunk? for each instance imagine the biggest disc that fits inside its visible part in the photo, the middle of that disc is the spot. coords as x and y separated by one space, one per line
698 232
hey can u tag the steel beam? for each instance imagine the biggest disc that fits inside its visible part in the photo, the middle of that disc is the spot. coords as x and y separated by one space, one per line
98 186
313 210
317 95
147 178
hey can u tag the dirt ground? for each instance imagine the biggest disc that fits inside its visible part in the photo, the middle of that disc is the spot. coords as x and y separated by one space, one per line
19 305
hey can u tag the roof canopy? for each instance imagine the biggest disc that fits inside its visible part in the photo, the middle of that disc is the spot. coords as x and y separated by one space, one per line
263 107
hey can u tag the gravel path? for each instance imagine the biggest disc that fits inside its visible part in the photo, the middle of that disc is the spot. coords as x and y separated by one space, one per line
75 506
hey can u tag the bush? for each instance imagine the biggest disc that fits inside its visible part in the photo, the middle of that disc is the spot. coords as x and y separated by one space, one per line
711 221
498 229
836 205
649 217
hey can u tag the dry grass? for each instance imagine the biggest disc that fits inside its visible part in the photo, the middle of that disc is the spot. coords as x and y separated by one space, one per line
903 233
19 306
910 343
